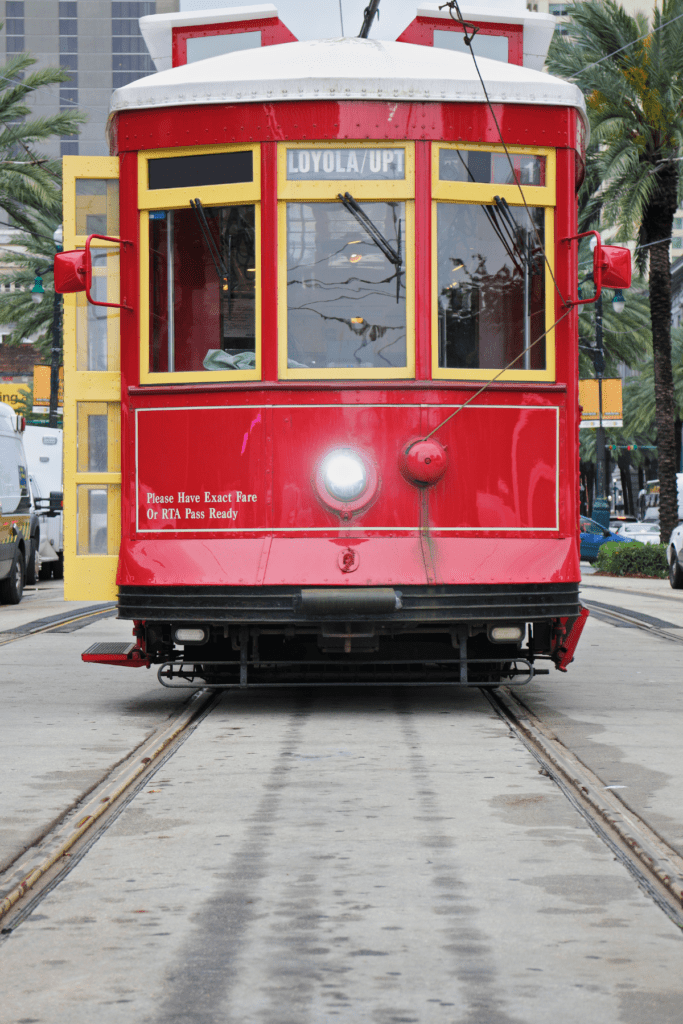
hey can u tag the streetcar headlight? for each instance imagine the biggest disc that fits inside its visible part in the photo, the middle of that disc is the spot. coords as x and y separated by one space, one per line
189 636
344 475
505 634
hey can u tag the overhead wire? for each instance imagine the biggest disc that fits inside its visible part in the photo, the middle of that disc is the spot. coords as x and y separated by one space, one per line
499 374
607 56
568 307
450 4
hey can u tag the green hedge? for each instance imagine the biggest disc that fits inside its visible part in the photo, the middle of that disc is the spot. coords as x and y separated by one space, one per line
633 559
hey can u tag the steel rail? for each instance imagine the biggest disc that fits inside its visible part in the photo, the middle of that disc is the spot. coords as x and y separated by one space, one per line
655 866
21 876
8 636
610 615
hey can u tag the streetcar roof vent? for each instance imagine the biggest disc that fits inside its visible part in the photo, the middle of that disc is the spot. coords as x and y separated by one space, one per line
175 39
507 30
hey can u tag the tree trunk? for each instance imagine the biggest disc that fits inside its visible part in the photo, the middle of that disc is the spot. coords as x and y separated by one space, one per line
624 463
589 477
659 224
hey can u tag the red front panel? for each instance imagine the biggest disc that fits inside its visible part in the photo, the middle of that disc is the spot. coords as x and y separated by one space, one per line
502 477
235 499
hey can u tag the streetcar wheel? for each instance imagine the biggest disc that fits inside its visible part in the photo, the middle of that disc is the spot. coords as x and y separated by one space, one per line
31 574
675 574
12 588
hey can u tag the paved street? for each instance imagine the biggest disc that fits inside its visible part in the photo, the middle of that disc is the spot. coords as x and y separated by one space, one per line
378 855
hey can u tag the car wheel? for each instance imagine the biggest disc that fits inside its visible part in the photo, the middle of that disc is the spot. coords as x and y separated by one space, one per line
675 574
12 588
58 567
31 573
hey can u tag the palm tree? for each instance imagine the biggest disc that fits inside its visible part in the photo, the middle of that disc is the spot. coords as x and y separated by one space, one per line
632 76
639 396
33 256
627 336
29 181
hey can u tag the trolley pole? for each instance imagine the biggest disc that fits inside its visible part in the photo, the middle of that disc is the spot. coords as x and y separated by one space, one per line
601 503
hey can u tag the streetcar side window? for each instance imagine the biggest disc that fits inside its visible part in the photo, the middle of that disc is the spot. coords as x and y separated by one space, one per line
202 281
492 262
491 287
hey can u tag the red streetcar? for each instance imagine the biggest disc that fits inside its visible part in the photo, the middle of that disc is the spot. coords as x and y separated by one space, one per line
347 392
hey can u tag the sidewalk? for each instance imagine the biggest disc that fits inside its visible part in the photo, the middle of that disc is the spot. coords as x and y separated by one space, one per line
649 597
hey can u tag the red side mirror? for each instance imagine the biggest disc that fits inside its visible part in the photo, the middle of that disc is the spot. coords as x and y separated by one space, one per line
72 271
615 265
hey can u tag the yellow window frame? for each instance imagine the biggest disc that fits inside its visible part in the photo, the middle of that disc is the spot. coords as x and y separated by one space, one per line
327 191
210 195
241 194
88 577
481 194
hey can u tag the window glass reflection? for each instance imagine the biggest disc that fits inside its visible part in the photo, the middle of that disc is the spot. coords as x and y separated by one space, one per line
202 289
346 299
488 168
491 287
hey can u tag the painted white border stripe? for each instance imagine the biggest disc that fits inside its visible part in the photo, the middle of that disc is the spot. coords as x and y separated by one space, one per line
367 529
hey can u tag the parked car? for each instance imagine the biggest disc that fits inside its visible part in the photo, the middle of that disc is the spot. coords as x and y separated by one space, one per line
593 536
646 533
674 556
616 521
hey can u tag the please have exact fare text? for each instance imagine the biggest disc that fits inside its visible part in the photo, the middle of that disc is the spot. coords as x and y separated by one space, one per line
170 505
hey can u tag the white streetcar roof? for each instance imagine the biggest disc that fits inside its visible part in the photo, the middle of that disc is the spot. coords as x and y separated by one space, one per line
349 68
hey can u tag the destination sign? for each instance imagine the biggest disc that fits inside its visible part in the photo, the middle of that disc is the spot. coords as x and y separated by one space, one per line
346 164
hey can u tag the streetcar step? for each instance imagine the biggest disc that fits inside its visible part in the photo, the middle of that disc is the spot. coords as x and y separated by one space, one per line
115 654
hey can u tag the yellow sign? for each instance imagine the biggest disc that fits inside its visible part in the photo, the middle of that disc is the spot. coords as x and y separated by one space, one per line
41 386
13 394
612 407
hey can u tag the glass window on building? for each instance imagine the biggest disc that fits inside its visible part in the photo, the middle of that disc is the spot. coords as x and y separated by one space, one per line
130 59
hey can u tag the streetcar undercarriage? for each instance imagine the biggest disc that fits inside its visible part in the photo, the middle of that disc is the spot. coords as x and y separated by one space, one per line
285 636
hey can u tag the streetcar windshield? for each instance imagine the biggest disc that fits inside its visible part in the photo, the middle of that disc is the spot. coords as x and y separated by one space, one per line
491 286
346 292
202 289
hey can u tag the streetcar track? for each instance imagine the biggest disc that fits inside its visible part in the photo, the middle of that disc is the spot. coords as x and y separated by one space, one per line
655 866
609 613
56 623
27 881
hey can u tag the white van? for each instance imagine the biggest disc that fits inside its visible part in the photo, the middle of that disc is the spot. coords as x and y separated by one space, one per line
19 529
43 447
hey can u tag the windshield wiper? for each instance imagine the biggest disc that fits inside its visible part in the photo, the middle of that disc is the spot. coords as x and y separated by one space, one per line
518 238
393 255
214 252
